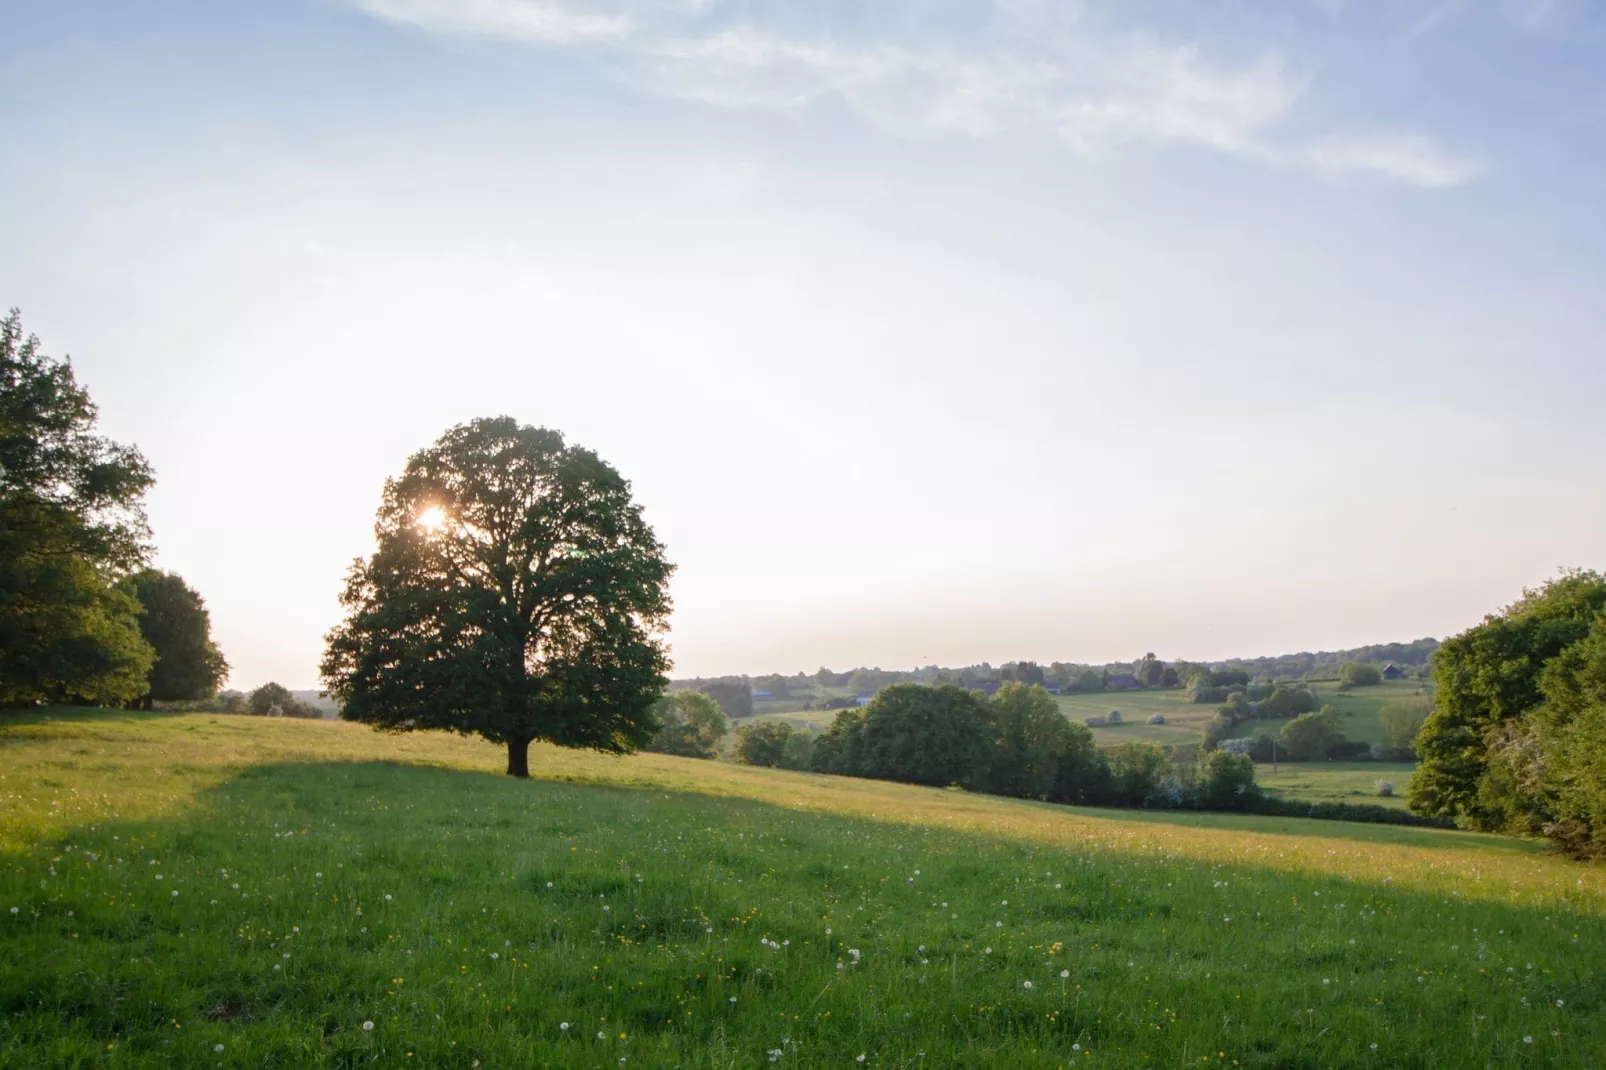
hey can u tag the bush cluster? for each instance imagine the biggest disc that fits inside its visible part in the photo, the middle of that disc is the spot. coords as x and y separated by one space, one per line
1018 744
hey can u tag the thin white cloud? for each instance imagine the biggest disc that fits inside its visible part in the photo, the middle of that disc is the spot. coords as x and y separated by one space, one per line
1021 69
1404 157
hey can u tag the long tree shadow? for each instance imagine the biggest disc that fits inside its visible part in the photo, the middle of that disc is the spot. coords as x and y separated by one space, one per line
350 913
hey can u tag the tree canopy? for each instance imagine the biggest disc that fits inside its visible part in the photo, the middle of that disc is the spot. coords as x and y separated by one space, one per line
1486 677
693 725
72 524
516 592
176 624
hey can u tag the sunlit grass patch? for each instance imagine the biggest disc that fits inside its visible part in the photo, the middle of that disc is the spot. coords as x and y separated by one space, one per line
329 878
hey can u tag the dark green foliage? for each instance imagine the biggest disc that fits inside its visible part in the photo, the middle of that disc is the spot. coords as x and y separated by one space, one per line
1370 813
1227 781
693 725
175 623
1025 672
1359 674
919 735
1137 771
734 695
1036 753
1487 676
1311 735
531 607
1088 682
1286 701
72 524
1148 670
763 743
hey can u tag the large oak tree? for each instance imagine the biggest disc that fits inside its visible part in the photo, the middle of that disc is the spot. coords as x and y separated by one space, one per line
516 592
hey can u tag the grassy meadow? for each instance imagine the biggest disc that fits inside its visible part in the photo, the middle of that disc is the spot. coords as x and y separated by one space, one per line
228 891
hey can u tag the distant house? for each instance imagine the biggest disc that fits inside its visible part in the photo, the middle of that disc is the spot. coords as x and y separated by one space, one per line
761 695
1054 689
1392 672
864 700
1120 681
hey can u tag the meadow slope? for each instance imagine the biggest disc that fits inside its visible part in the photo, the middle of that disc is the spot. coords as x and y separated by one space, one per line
228 891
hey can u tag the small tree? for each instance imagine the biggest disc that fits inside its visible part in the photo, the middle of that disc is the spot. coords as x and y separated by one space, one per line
693 725
1309 735
1401 722
270 700
516 592
1360 674
1137 770
763 743
176 624
1227 780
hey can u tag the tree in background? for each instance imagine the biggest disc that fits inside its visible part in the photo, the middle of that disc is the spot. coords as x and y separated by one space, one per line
176 624
1401 721
1287 702
1487 676
1088 682
72 524
1310 735
1036 753
1025 672
1148 670
516 592
1227 781
922 735
734 695
763 743
275 700
1359 674
1137 770
693 725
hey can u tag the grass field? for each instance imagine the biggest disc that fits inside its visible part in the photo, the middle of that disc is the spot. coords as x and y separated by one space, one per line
229 891
1349 782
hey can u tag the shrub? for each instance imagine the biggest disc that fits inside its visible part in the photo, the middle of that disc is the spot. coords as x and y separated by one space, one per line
1385 788
1227 781
1244 745
1115 717
1158 718
1203 693
1310 735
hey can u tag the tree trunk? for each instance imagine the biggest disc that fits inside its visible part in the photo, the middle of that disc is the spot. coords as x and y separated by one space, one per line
518 758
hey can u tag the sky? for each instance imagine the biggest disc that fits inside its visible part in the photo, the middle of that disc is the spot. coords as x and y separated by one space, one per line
926 332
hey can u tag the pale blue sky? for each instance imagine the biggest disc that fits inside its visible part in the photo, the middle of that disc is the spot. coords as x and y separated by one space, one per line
929 331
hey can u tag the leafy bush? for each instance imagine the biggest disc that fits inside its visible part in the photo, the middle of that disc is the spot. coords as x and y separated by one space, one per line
1402 721
1158 718
1244 745
1385 788
1137 770
1360 674
1227 781
1036 752
1311 735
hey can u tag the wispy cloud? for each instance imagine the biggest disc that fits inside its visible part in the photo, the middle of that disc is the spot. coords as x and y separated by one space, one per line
1019 68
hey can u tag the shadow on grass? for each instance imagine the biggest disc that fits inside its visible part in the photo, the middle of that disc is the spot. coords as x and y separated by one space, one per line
294 902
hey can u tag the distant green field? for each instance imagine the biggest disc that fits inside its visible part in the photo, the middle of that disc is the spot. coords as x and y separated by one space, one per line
1357 710
1349 782
1185 721
214 891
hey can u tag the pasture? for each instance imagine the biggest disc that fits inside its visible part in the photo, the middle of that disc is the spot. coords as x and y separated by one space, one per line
228 891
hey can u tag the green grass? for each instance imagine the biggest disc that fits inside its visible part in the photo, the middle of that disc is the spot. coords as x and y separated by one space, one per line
1349 782
1185 720
329 877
